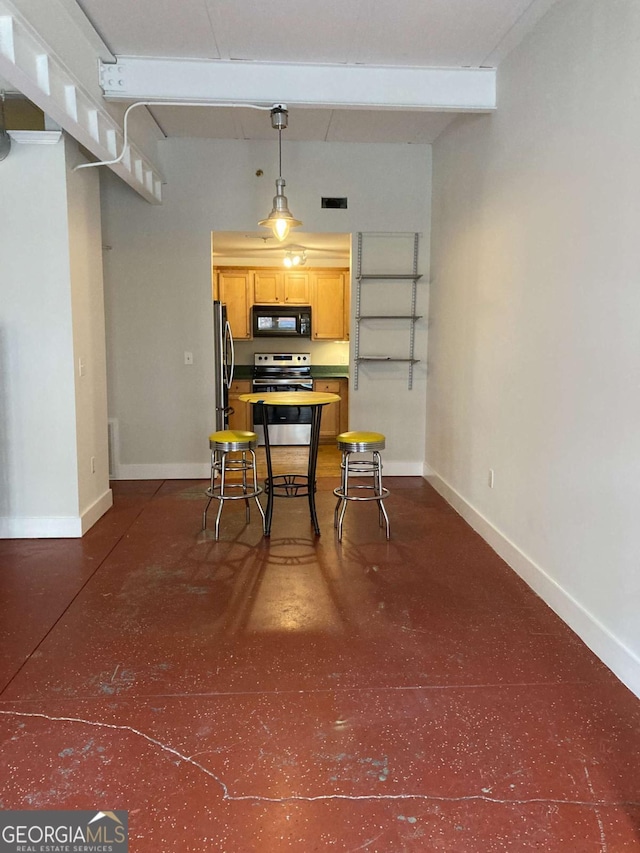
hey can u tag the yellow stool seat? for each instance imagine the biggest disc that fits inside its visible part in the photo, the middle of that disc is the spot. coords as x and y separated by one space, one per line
358 442
232 436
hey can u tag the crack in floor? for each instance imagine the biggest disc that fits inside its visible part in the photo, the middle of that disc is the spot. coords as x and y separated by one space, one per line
594 804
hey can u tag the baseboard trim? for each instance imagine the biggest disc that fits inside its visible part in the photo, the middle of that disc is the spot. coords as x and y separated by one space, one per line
56 527
96 510
621 660
401 469
168 471
62 527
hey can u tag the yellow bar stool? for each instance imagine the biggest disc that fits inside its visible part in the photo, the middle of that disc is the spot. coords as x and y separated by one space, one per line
360 442
222 443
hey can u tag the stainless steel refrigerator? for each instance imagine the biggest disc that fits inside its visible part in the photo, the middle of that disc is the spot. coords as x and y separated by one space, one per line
224 363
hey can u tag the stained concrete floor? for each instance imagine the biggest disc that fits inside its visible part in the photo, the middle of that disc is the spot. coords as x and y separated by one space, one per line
294 694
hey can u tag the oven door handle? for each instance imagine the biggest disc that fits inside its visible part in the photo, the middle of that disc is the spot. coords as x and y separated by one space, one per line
284 383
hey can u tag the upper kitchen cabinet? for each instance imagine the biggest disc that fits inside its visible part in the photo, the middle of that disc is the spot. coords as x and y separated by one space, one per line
297 289
330 305
277 287
233 289
268 287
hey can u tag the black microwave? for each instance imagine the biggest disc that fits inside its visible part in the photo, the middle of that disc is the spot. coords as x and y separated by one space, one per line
273 321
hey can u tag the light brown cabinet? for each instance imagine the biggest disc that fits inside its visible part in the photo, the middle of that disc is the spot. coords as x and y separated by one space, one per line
275 287
335 416
240 418
330 306
233 290
268 287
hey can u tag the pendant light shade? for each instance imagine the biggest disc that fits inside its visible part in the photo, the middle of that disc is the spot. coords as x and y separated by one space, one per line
280 220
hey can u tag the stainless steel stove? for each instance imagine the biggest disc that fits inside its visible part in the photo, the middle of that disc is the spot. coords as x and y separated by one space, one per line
283 372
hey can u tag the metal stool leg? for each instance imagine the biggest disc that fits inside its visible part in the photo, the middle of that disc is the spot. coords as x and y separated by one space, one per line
343 508
255 489
206 509
247 511
223 464
342 489
381 506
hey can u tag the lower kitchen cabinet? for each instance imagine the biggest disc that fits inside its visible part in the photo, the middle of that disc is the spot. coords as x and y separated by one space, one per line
241 416
335 415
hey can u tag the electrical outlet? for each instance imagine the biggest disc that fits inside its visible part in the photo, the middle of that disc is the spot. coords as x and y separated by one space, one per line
188 358
81 367
490 478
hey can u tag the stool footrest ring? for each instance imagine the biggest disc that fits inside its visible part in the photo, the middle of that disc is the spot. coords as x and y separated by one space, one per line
378 496
216 495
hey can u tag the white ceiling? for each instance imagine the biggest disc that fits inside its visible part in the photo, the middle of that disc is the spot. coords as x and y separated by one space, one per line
426 33
391 33
361 37
259 247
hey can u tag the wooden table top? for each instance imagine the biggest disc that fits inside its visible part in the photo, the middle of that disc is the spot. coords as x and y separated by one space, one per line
290 398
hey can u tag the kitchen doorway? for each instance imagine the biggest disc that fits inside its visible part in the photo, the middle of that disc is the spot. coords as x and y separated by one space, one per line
308 273
319 254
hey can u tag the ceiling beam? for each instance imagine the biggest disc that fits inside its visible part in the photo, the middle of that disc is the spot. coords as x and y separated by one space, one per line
331 86
31 64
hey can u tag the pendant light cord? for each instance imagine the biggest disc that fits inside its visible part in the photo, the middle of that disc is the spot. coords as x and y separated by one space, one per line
125 121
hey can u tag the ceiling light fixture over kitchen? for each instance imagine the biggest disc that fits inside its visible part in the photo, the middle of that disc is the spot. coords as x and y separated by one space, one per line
280 220
295 258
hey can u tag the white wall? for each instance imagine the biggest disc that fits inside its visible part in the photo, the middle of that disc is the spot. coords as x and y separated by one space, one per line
89 346
39 489
158 283
534 349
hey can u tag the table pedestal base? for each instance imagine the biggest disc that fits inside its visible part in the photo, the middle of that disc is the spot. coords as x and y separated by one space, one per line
293 485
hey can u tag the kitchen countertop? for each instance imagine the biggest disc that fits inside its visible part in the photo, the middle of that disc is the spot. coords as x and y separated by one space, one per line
330 371
319 371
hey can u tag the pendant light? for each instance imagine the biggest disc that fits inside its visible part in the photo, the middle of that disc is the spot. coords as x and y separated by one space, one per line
280 220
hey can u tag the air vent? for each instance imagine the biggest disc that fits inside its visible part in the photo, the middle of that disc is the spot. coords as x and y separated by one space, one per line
334 203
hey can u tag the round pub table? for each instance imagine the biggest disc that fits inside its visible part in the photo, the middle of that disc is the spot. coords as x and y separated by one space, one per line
291 485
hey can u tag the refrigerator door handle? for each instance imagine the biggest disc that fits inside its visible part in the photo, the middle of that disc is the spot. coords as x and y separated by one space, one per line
228 342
